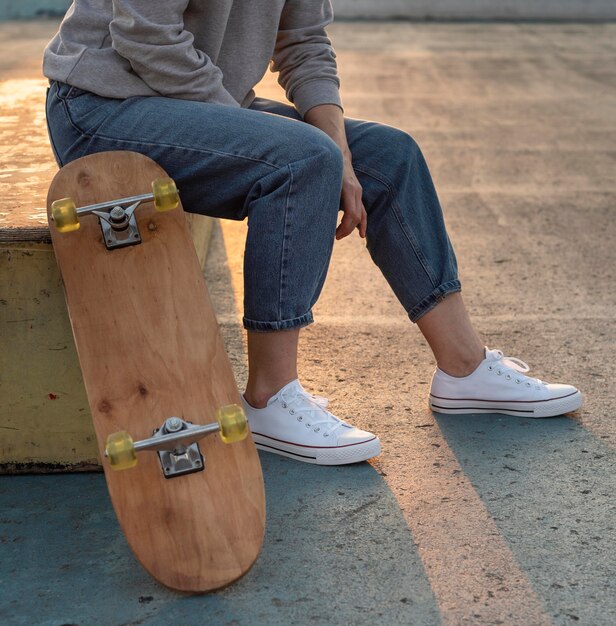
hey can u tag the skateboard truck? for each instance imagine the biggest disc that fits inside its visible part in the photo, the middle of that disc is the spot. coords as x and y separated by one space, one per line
116 217
176 442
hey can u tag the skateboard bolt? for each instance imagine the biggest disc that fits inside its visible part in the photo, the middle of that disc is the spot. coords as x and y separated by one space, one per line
117 214
173 424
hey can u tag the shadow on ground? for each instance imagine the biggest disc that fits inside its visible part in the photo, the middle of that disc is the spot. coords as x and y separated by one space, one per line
548 485
336 545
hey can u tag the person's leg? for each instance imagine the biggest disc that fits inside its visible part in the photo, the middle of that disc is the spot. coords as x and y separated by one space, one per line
279 409
283 176
448 329
407 239
272 364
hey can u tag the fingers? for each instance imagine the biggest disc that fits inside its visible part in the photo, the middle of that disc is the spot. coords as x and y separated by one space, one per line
351 220
363 224
352 206
346 226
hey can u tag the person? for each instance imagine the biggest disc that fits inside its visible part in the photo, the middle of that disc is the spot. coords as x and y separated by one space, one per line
175 81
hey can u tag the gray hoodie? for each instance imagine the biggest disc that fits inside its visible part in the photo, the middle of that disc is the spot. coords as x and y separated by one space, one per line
205 50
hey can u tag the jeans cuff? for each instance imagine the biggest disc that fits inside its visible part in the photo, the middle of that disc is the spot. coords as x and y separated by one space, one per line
265 327
430 301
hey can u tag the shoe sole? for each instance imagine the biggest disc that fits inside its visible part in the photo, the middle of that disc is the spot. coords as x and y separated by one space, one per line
343 455
537 409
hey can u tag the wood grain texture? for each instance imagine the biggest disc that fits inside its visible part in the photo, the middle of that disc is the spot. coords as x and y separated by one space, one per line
149 348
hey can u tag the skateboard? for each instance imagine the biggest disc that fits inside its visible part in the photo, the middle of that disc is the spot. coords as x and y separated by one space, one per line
182 470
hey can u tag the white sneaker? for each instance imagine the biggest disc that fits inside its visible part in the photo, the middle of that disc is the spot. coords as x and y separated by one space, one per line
499 385
296 424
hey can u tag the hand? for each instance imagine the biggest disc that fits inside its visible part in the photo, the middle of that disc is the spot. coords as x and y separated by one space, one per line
329 118
354 212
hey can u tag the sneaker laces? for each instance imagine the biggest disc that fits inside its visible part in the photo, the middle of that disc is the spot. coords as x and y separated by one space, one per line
311 405
320 400
512 363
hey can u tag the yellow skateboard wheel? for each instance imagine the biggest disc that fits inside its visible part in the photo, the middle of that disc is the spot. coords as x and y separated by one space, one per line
120 451
165 194
233 424
64 215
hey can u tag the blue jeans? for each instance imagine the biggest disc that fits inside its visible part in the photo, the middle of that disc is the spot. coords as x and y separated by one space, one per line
265 164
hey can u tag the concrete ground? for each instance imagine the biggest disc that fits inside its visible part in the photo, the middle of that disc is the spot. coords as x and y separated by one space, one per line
462 519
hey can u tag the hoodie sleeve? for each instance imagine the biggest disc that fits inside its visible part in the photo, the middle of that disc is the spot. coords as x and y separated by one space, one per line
151 37
304 56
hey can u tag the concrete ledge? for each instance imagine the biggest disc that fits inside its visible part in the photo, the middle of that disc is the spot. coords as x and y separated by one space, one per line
45 422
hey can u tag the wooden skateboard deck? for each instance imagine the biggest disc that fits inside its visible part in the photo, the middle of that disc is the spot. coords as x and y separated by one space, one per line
149 349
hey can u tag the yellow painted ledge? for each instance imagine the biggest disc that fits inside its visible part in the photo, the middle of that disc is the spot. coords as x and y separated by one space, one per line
45 421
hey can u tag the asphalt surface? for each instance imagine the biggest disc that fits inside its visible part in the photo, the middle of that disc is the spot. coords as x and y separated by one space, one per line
462 519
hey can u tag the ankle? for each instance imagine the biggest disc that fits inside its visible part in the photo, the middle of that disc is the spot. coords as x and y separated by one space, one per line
258 394
461 366
256 401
